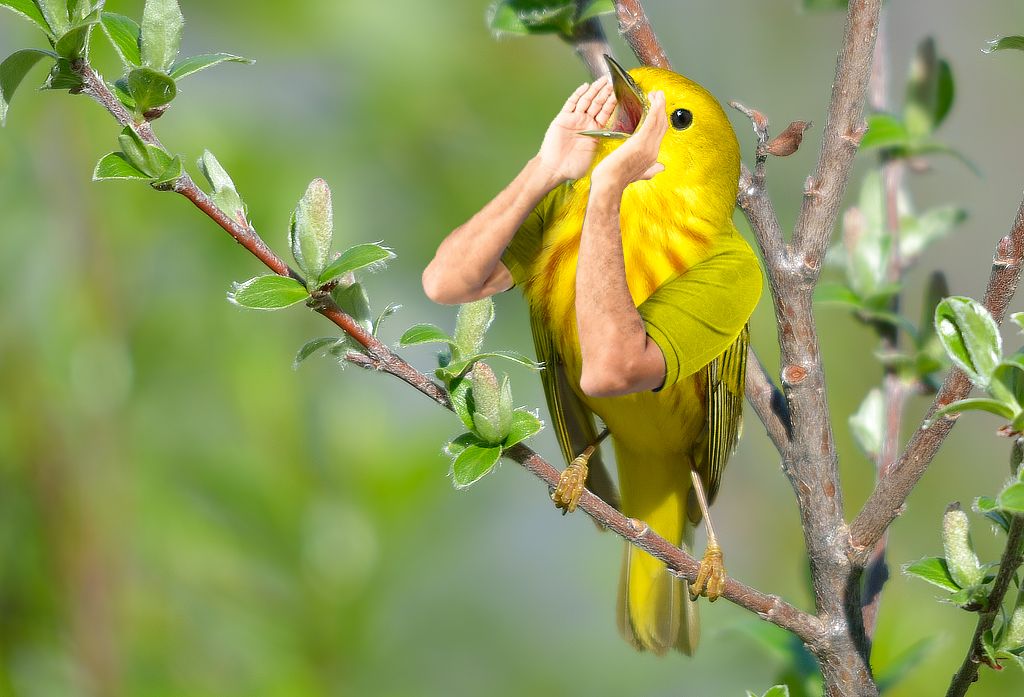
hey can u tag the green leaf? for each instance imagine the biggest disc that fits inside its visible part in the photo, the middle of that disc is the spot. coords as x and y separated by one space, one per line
188 66
116 166
456 368
1007 384
520 17
72 44
29 10
459 395
391 309
314 346
120 90
13 71
596 8
524 425
267 293
1018 319
868 423
1011 499
62 77
777 691
471 325
136 151
885 131
992 406
987 506
825 4
970 337
1005 43
224 195
837 294
150 89
473 463
354 302
364 257
456 445
162 26
424 334
172 172
311 232
934 571
916 233
124 33
56 14
929 91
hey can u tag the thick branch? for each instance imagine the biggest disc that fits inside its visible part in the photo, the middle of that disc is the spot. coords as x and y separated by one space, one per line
590 43
844 127
889 497
636 29
380 357
1013 557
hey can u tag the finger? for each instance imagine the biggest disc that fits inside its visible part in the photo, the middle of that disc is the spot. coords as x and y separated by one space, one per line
655 125
584 101
656 168
600 99
570 103
607 109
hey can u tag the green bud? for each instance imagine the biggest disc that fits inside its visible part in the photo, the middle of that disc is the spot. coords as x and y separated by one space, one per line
963 563
471 325
224 194
492 404
312 229
1014 636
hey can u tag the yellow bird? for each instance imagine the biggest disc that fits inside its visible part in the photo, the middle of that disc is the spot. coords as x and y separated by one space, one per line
694 281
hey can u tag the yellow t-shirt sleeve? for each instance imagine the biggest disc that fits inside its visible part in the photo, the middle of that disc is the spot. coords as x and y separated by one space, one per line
526 244
698 314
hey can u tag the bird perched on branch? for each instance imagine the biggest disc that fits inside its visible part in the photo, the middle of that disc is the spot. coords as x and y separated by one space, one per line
620 235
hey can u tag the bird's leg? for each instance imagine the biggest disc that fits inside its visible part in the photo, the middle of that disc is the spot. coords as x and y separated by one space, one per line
710 581
574 478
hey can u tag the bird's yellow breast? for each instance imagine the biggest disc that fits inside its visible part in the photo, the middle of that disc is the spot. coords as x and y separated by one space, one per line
659 240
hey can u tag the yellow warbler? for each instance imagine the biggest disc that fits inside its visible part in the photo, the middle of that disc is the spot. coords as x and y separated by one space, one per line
694 281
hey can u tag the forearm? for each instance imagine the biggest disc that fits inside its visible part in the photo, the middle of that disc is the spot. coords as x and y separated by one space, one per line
614 345
469 255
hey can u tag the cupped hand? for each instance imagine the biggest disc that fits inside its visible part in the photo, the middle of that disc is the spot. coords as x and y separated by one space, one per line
564 152
637 158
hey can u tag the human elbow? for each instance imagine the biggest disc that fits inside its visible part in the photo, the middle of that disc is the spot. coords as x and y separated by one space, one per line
435 287
605 379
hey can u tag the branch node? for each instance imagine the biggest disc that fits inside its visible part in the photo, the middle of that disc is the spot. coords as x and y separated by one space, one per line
854 135
793 375
812 187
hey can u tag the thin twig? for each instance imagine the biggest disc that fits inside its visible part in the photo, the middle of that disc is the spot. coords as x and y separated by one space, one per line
590 43
380 357
636 29
889 497
1013 557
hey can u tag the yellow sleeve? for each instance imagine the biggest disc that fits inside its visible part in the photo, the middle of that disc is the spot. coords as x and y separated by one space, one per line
698 314
526 244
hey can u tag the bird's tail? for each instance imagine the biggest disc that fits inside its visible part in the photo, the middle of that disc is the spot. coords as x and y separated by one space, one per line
654 608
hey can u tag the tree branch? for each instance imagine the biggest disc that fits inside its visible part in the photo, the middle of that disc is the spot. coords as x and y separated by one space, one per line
768 403
636 30
590 43
844 128
1013 557
890 495
380 357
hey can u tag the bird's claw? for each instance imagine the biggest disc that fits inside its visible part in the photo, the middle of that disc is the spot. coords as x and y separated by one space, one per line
570 485
710 581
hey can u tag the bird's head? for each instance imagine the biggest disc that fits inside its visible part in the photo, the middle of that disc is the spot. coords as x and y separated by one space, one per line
700 151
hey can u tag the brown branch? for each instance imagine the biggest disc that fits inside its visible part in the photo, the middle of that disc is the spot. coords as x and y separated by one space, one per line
636 30
1013 557
889 497
768 402
844 128
380 357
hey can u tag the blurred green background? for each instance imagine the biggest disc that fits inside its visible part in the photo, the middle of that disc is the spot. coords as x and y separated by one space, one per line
182 513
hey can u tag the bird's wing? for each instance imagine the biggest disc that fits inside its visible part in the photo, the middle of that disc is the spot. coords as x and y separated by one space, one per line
570 417
725 379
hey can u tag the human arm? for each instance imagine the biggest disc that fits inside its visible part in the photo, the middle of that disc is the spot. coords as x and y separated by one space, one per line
467 263
618 355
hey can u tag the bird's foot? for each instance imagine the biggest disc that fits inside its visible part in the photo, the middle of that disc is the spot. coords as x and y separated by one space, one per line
570 485
711 576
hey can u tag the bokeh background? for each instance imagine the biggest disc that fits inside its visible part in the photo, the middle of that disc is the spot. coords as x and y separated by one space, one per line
182 513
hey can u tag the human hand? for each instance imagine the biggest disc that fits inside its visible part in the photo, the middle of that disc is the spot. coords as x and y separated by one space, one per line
564 152
637 158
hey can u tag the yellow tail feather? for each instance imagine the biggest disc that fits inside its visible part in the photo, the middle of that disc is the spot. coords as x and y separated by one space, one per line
654 607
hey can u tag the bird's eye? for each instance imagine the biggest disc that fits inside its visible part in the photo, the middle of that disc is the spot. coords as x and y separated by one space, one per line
681 119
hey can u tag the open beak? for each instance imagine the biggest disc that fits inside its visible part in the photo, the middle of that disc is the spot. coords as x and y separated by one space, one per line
631 104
